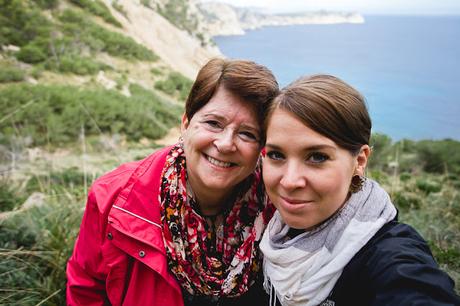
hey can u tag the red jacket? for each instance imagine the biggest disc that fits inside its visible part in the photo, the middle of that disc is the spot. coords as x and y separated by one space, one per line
119 256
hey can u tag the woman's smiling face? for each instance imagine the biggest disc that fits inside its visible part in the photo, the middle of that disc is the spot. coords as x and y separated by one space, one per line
307 175
221 144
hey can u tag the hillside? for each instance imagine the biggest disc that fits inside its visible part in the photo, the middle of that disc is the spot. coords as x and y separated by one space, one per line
54 53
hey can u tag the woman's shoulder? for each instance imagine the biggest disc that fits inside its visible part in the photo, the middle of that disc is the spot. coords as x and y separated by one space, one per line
394 235
393 246
110 184
396 267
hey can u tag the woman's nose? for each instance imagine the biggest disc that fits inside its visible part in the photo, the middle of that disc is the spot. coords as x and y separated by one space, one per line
293 177
225 142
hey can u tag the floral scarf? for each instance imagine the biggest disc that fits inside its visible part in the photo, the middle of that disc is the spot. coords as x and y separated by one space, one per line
232 268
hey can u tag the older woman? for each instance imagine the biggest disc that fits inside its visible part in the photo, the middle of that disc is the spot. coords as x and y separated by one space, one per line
184 224
335 239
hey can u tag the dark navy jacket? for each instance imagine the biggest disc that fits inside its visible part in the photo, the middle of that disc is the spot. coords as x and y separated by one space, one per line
395 267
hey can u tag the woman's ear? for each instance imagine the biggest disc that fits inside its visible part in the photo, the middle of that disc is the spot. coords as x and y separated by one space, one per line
184 123
362 159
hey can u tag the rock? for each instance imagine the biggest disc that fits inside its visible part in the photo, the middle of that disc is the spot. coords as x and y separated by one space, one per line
105 81
34 154
11 48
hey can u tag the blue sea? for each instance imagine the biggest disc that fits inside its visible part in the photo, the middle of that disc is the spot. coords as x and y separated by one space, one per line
407 67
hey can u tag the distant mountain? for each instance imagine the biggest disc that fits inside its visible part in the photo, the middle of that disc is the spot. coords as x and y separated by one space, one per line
224 19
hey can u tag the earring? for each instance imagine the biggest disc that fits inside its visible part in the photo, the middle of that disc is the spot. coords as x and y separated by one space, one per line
181 142
357 183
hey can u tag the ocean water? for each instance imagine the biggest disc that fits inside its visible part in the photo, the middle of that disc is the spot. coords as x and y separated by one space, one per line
407 67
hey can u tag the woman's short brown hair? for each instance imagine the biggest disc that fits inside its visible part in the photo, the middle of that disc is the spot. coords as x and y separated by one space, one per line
330 107
252 82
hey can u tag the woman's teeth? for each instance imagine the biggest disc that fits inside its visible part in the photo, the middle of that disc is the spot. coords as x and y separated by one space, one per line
218 162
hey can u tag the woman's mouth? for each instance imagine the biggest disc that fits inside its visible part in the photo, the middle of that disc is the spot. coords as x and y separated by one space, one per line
291 204
219 163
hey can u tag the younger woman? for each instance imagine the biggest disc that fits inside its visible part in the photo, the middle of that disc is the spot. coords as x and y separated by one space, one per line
335 239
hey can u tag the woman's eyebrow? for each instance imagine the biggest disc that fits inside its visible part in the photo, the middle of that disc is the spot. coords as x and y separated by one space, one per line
307 148
214 115
320 147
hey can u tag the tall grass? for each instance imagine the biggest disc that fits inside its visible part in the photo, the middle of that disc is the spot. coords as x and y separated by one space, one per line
36 242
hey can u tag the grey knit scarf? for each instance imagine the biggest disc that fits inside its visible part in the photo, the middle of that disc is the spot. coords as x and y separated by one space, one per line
303 270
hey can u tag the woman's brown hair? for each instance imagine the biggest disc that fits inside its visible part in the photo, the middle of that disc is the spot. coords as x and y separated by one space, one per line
252 82
330 107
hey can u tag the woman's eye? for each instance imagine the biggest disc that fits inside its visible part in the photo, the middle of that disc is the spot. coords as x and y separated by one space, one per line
275 155
317 158
213 123
249 136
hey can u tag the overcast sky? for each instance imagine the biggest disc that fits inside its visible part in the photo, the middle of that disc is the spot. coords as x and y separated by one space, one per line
424 7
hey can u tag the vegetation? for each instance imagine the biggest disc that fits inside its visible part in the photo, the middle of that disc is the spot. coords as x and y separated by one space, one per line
423 179
56 114
119 8
10 73
178 13
36 243
175 85
97 8
67 43
21 24
98 39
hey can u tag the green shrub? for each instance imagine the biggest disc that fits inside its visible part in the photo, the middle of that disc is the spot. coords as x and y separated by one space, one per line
47 4
31 54
99 39
428 186
21 23
177 12
161 114
379 176
97 8
9 199
381 147
175 85
119 8
9 73
439 156
404 177
156 71
37 71
76 64
406 200
448 256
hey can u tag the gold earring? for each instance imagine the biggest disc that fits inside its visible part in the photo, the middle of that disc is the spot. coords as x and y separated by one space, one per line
357 183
